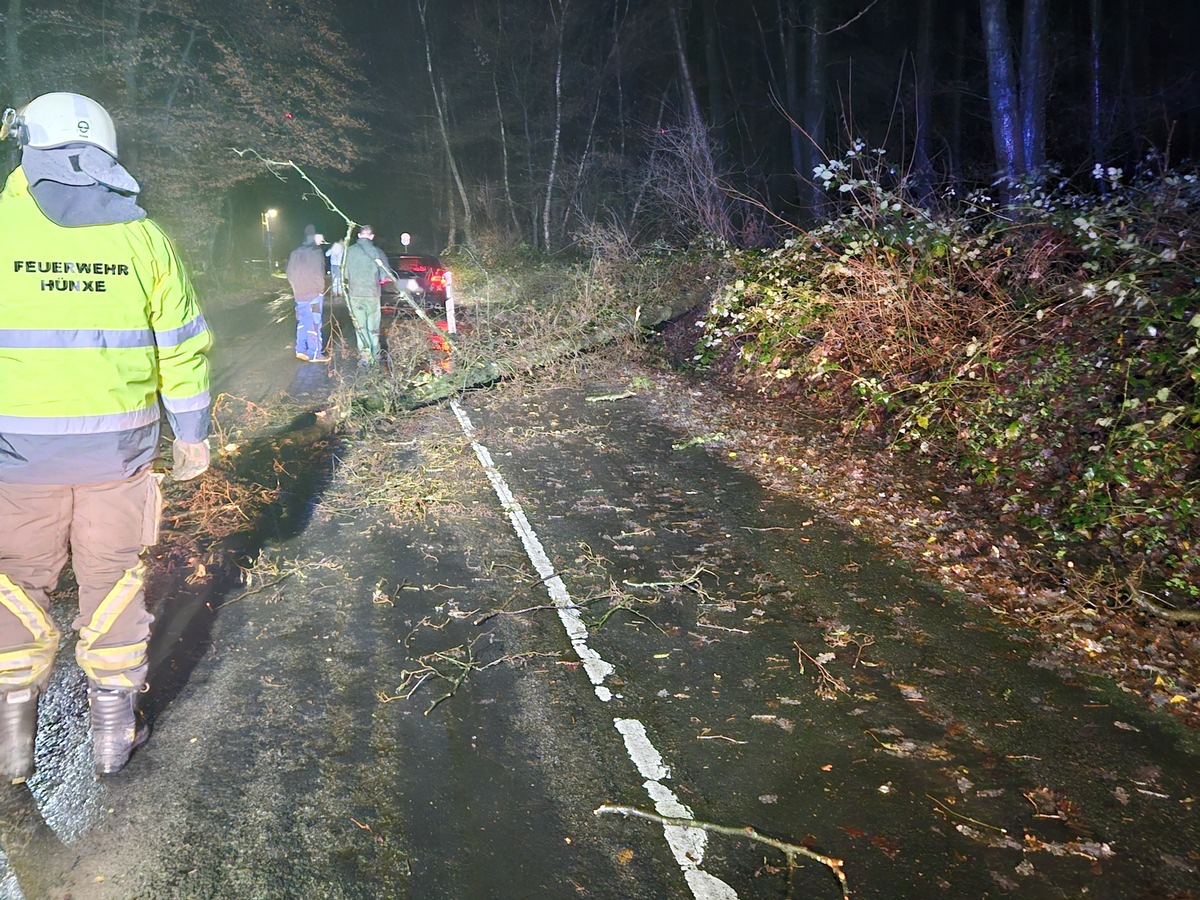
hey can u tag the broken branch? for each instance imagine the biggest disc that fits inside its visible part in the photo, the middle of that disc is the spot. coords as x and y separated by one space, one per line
791 851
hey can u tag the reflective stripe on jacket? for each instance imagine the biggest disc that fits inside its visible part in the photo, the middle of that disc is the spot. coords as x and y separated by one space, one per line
97 324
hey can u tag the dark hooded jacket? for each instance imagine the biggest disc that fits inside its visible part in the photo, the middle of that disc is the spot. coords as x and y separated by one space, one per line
306 267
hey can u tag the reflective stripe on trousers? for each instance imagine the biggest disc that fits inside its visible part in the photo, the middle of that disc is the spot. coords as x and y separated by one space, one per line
30 662
104 527
106 661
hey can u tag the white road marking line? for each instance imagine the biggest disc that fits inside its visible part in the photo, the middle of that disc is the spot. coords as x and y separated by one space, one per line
687 844
597 669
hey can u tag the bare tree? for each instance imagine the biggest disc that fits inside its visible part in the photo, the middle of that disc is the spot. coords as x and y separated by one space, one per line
439 105
696 150
558 10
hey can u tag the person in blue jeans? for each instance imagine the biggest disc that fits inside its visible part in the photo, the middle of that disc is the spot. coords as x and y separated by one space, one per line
306 275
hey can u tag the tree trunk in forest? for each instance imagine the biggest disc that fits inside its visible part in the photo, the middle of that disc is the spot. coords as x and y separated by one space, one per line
183 63
702 168
558 115
508 197
451 216
645 184
619 75
789 26
1034 72
129 65
14 69
922 166
1003 97
958 78
1132 13
530 178
457 183
580 170
814 107
714 76
1094 97
444 131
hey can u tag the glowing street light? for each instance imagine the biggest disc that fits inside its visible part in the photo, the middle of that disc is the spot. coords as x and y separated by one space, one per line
269 236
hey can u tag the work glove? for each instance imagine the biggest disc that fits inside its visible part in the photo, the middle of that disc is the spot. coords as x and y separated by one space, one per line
189 460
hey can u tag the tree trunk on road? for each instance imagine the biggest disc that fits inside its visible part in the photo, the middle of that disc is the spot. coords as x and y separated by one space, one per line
461 379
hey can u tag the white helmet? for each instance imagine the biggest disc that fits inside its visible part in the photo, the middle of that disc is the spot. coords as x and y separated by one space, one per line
53 120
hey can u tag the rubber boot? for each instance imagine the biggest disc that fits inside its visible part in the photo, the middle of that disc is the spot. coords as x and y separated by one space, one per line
18 726
116 729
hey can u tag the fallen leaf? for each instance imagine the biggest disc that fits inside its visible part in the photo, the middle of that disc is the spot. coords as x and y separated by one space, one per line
625 856
887 845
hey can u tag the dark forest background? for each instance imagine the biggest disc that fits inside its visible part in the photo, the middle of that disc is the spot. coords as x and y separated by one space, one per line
529 122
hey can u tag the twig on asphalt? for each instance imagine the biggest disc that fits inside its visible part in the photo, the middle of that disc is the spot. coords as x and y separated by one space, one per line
464 668
452 666
791 851
719 737
829 686
946 809
262 587
519 612
691 582
721 627
626 603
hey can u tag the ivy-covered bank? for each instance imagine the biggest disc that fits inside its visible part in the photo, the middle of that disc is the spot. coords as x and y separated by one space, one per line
1048 346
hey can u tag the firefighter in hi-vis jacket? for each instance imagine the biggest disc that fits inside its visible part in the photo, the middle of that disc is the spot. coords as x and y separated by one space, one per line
98 327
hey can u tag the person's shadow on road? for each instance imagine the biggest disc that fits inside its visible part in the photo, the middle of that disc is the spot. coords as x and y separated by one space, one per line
273 484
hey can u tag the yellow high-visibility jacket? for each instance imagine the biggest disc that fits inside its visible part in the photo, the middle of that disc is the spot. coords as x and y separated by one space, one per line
98 323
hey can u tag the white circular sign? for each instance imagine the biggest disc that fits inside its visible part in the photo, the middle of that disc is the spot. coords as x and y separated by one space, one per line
405 238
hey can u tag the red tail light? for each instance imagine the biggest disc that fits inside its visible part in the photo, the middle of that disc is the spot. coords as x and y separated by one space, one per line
439 278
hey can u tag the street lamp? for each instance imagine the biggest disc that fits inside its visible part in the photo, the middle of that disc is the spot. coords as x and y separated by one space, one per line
268 236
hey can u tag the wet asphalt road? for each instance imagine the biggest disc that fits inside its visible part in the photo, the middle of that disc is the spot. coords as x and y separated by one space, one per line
716 651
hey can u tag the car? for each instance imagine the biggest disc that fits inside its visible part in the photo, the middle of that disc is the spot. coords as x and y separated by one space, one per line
422 275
